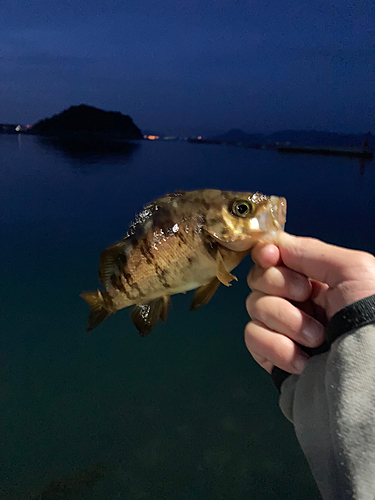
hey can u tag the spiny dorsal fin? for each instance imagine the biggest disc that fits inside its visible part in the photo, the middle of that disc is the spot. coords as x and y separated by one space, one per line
108 265
145 316
204 294
222 273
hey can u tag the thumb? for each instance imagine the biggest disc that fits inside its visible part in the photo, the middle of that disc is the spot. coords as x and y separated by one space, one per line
317 260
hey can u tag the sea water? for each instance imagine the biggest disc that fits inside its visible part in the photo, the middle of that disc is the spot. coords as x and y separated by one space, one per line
184 413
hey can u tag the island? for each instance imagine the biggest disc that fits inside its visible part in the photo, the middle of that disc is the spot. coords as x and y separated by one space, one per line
84 119
86 132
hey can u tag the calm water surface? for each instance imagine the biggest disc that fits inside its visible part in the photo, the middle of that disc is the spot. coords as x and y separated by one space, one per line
184 413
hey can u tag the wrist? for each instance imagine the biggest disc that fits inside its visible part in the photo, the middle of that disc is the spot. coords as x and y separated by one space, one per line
348 319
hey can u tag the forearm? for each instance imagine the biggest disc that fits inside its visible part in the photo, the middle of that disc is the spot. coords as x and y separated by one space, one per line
332 407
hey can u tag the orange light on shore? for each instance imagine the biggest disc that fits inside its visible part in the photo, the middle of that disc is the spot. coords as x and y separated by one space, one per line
152 137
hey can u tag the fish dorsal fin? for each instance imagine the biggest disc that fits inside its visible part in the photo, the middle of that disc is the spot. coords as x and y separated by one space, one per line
204 294
145 316
222 273
108 260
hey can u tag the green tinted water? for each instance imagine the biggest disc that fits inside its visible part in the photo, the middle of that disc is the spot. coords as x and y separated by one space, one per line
184 413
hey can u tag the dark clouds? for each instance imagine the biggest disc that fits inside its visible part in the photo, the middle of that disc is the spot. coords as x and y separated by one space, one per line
185 66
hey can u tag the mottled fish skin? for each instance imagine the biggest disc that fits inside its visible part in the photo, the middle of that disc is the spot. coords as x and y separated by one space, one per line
172 246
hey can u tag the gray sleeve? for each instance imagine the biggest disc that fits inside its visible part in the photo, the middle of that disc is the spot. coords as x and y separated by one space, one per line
332 407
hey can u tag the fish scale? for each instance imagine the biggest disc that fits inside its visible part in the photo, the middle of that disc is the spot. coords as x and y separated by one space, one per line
179 242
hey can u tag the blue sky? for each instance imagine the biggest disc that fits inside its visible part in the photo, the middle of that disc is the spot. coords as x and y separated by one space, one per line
192 66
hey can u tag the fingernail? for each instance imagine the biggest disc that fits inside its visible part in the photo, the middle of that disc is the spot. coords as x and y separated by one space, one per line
299 364
299 287
313 333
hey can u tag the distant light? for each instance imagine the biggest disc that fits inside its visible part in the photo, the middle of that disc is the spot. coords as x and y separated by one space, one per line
18 128
152 137
27 126
199 137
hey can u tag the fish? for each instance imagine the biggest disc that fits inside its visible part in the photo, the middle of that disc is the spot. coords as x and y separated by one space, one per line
181 241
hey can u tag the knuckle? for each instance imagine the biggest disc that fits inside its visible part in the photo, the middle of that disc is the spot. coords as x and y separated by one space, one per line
279 347
253 276
249 337
248 330
294 319
302 243
252 302
365 260
250 277
249 303
274 277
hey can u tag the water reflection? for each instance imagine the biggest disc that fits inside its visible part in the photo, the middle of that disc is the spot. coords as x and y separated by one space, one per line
78 484
184 413
362 167
87 149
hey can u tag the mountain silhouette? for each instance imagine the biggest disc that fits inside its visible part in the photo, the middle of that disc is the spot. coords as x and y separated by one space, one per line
88 119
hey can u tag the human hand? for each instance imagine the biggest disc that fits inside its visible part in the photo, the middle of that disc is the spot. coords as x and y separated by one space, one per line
297 287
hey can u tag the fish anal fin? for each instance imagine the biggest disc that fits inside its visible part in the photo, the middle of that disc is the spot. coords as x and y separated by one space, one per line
204 294
222 273
99 310
145 316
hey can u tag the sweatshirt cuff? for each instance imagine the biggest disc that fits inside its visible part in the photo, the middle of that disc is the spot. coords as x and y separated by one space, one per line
349 318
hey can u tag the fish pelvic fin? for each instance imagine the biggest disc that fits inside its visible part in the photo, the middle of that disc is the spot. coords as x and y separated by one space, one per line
100 308
204 294
222 273
166 304
145 316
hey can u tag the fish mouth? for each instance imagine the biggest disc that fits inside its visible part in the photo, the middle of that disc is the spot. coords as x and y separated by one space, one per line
277 213
273 217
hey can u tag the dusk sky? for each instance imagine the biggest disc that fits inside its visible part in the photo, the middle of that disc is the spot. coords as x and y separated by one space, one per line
189 66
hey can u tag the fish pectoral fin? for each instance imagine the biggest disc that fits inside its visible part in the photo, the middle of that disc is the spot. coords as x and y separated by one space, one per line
145 316
204 294
222 273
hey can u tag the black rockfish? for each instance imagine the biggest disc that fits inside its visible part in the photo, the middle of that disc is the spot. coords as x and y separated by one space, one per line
182 241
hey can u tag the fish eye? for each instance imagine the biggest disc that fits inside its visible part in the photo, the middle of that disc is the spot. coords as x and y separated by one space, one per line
242 208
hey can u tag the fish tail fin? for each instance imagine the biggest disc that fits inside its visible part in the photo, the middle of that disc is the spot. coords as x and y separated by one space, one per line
99 308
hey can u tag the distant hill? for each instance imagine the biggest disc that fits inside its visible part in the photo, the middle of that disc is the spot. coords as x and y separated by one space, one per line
294 137
238 135
88 120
